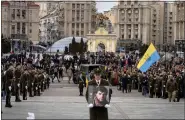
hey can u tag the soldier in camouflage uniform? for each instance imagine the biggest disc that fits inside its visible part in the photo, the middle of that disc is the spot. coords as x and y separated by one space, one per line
140 79
171 88
129 85
47 79
151 85
81 86
179 86
157 86
134 80
39 83
24 82
36 84
18 72
41 80
31 83
9 76
164 81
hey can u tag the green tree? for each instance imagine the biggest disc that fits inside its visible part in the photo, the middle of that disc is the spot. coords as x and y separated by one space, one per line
66 50
70 48
82 46
85 47
5 45
73 46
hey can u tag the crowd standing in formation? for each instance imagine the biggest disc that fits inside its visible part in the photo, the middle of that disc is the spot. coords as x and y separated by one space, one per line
165 79
21 75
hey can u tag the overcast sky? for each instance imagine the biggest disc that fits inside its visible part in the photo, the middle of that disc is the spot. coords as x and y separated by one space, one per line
104 5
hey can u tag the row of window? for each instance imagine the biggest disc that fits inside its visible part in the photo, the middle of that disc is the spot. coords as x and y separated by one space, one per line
78 6
77 25
130 20
19 27
77 33
129 36
19 13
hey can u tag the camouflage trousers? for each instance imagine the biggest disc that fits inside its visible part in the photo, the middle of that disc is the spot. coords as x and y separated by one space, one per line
172 95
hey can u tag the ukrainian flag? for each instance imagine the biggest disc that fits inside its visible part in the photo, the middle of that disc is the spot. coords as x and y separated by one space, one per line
149 58
87 79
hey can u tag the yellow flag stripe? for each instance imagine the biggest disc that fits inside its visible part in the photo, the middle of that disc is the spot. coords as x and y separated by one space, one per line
86 81
151 49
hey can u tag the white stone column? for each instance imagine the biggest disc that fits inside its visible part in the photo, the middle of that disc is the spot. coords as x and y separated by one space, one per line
125 31
179 32
20 32
80 22
108 45
183 30
139 25
118 23
125 26
89 20
65 22
94 45
113 46
75 18
132 31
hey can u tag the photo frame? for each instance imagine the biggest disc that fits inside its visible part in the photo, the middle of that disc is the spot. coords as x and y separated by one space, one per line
98 95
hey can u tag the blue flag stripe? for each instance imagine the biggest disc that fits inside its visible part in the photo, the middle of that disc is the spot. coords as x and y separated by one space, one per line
150 61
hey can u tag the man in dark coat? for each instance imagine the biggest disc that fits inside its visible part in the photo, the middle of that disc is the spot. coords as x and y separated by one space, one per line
98 113
124 80
81 86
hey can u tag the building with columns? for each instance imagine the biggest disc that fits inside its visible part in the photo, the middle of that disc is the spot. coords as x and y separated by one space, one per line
133 23
73 18
20 20
146 22
179 21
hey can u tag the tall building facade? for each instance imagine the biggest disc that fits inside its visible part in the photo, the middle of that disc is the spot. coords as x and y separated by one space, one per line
179 26
20 20
162 16
157 22
179 21
133 23
74 18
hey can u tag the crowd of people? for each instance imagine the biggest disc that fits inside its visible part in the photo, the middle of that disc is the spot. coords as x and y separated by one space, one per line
22 75
165 79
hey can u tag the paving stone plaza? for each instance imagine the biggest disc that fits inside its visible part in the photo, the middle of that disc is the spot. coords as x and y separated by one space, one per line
62 101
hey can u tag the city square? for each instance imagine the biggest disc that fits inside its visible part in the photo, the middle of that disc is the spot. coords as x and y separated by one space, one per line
94 60
61 101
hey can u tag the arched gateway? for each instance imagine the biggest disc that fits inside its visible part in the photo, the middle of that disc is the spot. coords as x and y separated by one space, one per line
101 41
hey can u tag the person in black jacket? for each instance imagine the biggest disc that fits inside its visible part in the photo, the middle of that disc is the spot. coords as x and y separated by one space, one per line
124 80
98 113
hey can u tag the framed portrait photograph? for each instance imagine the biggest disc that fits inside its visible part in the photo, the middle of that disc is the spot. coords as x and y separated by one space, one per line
98 95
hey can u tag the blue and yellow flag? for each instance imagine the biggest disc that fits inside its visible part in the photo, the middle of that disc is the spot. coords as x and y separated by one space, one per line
87 79
149 58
